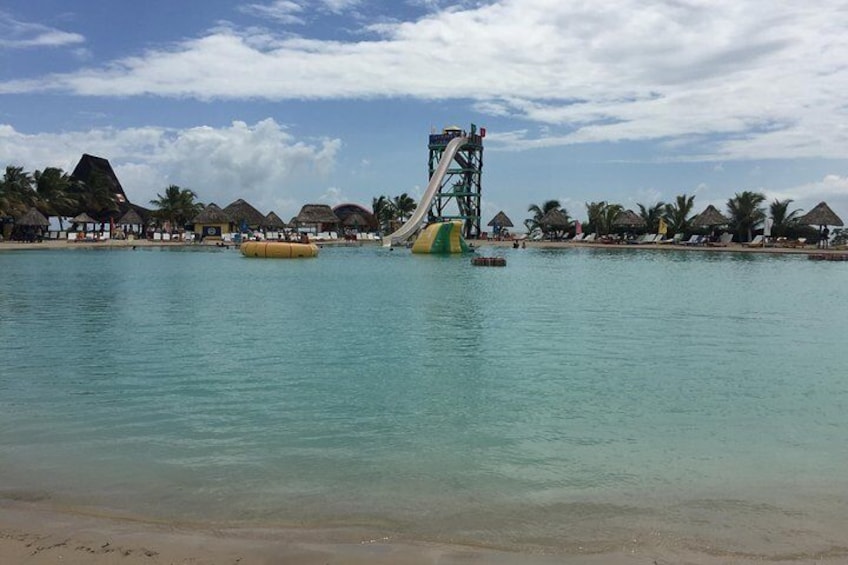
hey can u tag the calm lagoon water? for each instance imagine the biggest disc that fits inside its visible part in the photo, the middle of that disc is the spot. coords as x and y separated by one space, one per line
576 400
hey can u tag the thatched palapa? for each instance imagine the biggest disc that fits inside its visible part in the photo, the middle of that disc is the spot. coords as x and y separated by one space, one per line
243 214
131 218
32 218
501 220
274 222
355 220
710 217
555 219
344 211
821 215
212 214
83 219
318 215
628 219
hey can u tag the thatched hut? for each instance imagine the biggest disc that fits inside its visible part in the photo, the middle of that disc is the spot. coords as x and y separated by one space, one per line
81 222
821 215
555 222
131 222
212 222
273 222
318 216
244 215
93 171
30 225
499 222
710 217
628 219
368 221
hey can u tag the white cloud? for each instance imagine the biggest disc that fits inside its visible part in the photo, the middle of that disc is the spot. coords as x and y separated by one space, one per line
262 163
15 34
282 11
832 189
719 80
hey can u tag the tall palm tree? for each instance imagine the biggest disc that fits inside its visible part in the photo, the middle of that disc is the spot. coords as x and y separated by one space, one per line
178 206
678 214
746 211
601 216
53 187
403 205
539 212
781 218
652 215
381 207
16 191
96 195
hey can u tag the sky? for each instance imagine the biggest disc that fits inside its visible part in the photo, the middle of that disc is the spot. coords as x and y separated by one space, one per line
288 102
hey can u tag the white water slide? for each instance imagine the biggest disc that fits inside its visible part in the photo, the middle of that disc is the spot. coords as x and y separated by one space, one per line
412 225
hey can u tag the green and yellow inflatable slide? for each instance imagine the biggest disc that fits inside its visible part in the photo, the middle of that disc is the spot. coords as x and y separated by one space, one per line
442 237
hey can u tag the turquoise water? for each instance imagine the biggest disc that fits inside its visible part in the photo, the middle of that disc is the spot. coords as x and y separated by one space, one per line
576 400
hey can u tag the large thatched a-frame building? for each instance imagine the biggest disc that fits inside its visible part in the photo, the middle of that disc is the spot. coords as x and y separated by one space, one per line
212 222
317 216
244 215
92 171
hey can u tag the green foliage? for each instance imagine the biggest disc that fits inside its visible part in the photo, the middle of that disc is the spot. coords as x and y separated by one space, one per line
782 219
16 192
601 216
533 223
746 212
178 206
652 215
678 214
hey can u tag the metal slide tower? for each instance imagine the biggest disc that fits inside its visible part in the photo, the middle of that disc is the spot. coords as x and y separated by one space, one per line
462 181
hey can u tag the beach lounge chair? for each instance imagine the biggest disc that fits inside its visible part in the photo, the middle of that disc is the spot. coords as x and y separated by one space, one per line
577 237
756 242
693 240
590 237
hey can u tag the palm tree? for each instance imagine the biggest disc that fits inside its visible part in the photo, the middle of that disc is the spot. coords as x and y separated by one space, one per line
403 206
177 206
746 211
96 196
601 216
781 218
16 192
381 207
652 215
539 212
53 187
678 214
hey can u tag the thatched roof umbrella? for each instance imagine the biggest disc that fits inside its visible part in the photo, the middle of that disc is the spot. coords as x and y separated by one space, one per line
555 220
32 218
83 219
131 218
710 217
501 220
628 219
273 222
317 215
212 214
244 215
821 215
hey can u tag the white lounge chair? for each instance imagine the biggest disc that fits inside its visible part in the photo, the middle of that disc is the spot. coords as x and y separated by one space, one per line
590 237
577 237
756 242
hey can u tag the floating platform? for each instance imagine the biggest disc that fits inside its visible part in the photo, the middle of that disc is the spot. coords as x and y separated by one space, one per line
278 249
488 261
828 256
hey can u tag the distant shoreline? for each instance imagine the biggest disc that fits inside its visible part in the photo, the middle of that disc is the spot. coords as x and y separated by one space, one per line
476 243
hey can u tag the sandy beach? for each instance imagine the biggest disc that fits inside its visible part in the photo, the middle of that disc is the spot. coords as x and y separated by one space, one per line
477 244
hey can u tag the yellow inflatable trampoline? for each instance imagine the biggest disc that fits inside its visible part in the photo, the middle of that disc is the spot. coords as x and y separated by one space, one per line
278 249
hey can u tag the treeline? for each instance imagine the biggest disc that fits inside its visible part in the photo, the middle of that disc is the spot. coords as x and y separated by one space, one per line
746 213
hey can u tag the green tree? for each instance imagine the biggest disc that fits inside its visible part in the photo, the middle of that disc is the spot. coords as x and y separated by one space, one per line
403 207
16 191
53 189
96 196
782 218
178 205
678 214
381 207
601 216
532 224
652 215
746 211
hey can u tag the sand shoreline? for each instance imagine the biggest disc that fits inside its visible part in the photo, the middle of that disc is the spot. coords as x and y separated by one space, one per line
38 534
477 244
